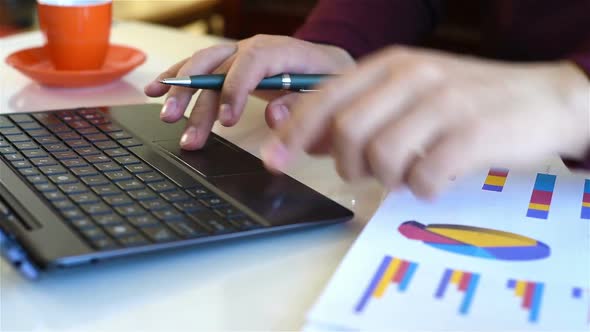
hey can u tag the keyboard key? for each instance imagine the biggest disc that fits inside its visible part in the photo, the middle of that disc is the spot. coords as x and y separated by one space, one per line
21 164
143 221
40 162
108 167
159 234
142 195
150 177
93 233
29 171
90 151
103 244
118 175
106 190
69 136
100 158
80 124
46 187
199 192
120 135
95 180
7 150
118 200
10 131
86 198
3 143
83 223
60 128
175 196
21 118
72 163
120 231
110 128
130 142
94 209
54 196
98 122
63 179
84 171
155 204
64 205
187 229
212 202
129 185
88 131
35 154
107 146
65 155
73 214
168 214
75 144
40 133
133 241
26 146
56 147
228 212
244 223
162 186
97 138
5 123
47 118
138 168
37 179
189 206
211 221
127 160
130 210
53 170
72 189
30 126
116 151
46 140
14 157
108 219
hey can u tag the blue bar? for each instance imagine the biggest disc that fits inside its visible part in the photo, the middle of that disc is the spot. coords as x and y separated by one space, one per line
369 291
444 282
585 214
577 292
587 186
536 305
539 214
489 187
408 277
545 182
511 283
470 292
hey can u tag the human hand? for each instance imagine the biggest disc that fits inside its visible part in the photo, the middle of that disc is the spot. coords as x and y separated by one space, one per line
246 64
420 118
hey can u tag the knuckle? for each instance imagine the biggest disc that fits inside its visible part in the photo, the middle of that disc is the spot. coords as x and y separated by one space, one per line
397 50
426 70
377 153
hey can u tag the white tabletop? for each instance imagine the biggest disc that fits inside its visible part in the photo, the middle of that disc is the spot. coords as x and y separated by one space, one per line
266 283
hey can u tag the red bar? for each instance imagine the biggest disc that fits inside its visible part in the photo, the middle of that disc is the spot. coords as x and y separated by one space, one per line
527 299
586 198
496 172
541 197
464 283
401 271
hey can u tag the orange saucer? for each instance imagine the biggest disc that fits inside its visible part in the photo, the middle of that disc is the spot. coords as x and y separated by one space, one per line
35 64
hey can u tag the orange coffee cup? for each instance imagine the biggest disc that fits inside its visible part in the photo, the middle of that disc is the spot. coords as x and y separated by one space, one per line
76 31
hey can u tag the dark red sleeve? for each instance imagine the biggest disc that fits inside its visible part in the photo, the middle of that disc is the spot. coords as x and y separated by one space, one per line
364 26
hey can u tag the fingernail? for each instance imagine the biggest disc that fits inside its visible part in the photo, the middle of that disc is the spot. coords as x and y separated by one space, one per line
225 114
275 154
169 107
189 136
280 113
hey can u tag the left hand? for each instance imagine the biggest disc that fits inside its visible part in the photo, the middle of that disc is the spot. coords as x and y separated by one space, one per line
420 118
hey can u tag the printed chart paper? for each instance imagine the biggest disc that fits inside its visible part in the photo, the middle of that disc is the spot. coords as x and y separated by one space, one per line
502 250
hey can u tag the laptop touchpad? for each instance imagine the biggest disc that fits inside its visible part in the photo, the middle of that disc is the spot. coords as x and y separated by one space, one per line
216 158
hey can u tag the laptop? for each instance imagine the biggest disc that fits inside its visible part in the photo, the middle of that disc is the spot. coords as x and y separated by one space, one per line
83 186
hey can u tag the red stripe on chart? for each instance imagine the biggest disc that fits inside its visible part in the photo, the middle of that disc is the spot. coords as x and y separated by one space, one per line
586 198
541 197
401 272
500 173
464 283
529 291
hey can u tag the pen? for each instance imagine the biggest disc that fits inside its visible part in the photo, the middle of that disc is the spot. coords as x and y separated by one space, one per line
291 82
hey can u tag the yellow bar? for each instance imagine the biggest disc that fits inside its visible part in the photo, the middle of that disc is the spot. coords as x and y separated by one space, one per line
542 207
386 279
456 277
519 289
586 204
494 180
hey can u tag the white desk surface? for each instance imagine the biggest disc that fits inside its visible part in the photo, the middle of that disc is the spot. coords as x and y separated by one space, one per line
266 283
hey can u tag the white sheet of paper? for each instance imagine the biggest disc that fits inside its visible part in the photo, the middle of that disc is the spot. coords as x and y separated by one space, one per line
493 305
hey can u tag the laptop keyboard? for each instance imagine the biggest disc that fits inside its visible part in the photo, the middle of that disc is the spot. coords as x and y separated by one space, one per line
82 164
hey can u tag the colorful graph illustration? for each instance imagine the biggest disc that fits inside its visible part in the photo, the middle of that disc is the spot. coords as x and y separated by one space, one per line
495 180
466 283
391 270
585 214
531 294
475 241
580 293
541 196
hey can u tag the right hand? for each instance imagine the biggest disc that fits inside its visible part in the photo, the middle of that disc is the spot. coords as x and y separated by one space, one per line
245 63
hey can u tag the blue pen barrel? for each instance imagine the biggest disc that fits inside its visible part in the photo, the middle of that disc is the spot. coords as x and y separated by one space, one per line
298 82
214 82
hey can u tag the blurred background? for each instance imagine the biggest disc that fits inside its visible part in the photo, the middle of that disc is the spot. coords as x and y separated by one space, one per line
240 19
